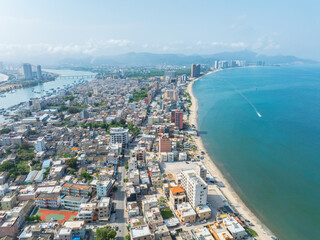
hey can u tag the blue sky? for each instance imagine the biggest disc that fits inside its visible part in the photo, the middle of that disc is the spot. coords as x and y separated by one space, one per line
71 28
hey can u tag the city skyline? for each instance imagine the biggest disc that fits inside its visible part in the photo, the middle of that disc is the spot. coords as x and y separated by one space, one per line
34 30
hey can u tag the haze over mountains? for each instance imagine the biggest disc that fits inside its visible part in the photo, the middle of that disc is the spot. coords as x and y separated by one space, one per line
145 58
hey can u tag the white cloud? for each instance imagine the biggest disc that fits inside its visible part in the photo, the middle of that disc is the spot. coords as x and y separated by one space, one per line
89 47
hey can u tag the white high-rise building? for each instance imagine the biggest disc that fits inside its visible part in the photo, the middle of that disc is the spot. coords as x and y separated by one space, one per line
103 188
196 188
40 145
119 135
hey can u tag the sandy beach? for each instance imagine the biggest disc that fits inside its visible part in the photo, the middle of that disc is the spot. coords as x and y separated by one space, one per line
3 78
233 198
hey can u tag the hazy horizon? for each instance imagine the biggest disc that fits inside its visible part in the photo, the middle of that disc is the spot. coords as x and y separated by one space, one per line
35 30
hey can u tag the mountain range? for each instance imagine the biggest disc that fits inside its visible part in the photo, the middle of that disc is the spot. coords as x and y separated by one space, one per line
151 59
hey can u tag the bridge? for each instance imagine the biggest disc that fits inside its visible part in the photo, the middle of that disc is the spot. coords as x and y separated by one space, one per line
77 76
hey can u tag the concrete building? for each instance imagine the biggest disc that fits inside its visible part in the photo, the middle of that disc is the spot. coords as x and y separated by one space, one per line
195 70
40 145
104 187
177 195
76 189
119 135
48 200
201 171
8 202
164 144
141 233
195 187
186 213
203 212
235 228
104 208
39 72
27 71
72 203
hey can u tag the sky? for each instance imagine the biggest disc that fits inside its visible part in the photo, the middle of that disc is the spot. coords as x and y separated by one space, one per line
34 30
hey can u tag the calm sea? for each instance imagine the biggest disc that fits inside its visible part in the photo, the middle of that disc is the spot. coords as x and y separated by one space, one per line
262 127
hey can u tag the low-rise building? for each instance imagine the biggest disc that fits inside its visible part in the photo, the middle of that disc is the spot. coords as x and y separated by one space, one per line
177 195
140 233
48 200
203 212
72 203
186 213
76 189
104 208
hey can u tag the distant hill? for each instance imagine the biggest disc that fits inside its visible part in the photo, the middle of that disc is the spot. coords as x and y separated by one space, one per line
151 59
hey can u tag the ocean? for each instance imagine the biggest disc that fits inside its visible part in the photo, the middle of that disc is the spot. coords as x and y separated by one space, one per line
261 125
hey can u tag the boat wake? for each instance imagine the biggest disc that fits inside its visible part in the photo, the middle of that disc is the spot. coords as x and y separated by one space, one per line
246 99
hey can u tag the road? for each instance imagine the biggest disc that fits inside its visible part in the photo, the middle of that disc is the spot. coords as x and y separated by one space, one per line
119 204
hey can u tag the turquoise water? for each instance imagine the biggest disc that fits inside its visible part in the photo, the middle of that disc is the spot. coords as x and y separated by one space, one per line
262 127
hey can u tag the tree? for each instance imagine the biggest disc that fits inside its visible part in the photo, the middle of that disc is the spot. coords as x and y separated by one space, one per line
85 175
115 188
127 237
73 110
105 233
71 162
5 130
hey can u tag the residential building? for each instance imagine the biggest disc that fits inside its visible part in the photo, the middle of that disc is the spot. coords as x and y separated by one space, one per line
39 72
40 145
164 144
186 213
195 187
104 187
177 195
8 202
195 70
141 233
119 135
104 208
203 212
27 70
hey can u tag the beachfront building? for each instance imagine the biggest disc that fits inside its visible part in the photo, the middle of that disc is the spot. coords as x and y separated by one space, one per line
196 188
195 70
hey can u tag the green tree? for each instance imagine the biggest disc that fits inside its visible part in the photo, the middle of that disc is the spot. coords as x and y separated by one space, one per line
105 233
127 237
71 162
85 175
5 130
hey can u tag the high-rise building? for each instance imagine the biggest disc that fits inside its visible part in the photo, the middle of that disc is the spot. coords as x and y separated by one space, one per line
119 135
39 72
216 64
195 70
84 114
27 70
164 144
177 118
40 145
196 188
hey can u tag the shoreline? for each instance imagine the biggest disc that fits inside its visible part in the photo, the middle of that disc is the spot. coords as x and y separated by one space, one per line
233 198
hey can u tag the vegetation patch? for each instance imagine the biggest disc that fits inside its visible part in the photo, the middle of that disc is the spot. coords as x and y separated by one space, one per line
166 213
